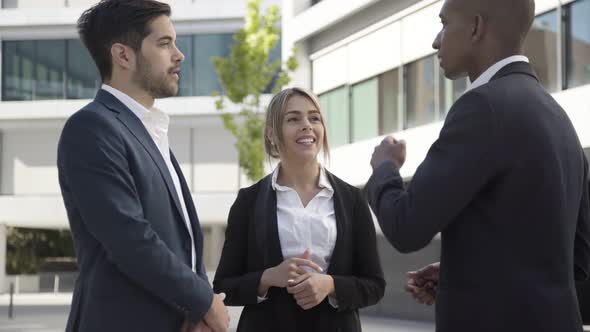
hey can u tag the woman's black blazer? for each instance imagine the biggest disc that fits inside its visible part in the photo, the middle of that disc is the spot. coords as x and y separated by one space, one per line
252 245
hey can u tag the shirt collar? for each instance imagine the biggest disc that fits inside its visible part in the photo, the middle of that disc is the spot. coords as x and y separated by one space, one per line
154 117
323 181
493 70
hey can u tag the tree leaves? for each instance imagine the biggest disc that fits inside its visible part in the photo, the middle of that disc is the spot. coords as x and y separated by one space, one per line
244 76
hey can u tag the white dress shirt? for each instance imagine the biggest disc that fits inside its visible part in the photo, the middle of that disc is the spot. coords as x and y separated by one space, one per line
310 227
156 123
487 75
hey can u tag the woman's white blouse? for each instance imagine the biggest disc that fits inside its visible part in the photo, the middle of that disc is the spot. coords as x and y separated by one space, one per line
310 227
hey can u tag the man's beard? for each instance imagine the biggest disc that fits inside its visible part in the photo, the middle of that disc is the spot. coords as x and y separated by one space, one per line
155 86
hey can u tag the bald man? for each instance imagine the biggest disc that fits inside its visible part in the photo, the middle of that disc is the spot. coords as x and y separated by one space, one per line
505 184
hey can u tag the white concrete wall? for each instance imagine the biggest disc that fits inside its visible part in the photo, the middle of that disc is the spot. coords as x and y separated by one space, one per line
321 16
351 162
397 40
215 164
205 152
28 146
39 4
29 162
365 62
418 32
51 21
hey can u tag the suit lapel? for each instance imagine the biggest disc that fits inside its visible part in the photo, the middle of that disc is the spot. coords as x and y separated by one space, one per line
341 221
190 208
136 127
265 215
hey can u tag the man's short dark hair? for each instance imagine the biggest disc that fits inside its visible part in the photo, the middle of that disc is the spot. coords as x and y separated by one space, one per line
117 21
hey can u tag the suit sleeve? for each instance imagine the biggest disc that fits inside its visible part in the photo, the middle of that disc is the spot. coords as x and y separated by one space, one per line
459 163
93 165
232 276
366 286
582 239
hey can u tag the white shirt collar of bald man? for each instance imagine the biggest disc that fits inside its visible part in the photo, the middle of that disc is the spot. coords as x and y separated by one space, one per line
487 75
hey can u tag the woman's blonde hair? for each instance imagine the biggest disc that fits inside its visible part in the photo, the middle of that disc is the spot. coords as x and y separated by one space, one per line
275 115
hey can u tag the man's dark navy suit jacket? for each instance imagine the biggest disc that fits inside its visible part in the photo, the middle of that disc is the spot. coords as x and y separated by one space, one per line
132 243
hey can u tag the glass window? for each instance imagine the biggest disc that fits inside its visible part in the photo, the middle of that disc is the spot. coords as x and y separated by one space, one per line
541 49
18 60
365 110
50 69
335 106
577 32
187 76
9 3
83 77
459 87
449 92
419 89
206 47
274 55
389 102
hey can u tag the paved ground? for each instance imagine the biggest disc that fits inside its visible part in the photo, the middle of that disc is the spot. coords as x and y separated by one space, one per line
48 313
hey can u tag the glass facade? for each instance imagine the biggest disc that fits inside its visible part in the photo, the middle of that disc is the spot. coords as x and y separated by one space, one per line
335 106
18 59
58 69
541 47
50 69
419 89
418 93
449 92
365 110
205 48
82 75
390 102
577 43
186 84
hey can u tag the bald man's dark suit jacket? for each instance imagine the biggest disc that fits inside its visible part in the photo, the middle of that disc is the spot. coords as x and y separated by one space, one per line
132 244
505 183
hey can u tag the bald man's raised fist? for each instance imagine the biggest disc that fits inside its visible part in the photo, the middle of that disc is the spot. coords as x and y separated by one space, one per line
390 149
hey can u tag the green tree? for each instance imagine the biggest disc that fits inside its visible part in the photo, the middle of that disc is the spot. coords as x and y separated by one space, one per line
245 75
28 248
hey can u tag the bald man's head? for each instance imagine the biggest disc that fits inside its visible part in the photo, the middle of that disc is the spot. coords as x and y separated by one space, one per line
477 33
509 21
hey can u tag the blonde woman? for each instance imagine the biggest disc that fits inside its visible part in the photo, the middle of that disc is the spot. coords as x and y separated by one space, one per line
300 251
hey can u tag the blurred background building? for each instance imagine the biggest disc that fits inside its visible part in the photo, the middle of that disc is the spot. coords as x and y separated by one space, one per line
373 66
370 61
46 75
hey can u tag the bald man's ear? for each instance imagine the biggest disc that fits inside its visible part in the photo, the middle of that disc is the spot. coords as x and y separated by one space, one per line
123 56
478 28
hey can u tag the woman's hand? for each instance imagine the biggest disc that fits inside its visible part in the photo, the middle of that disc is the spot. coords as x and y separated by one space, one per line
289 270
311 289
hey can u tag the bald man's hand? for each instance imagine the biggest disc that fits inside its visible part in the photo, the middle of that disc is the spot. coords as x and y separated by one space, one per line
390 149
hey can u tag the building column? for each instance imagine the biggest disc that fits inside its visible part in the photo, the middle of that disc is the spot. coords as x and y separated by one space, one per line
2 258
302 76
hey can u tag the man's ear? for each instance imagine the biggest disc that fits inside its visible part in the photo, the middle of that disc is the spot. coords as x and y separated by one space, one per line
123 56
478 28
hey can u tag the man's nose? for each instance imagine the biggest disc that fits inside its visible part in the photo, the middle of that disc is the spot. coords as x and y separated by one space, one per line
436 42
179 56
